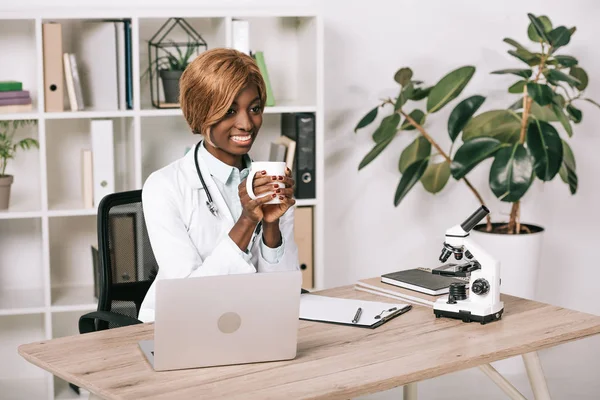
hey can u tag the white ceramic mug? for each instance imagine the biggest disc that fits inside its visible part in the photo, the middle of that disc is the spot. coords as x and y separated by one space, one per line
273 168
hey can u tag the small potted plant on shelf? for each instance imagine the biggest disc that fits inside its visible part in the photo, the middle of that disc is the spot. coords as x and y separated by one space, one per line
168 59
8 148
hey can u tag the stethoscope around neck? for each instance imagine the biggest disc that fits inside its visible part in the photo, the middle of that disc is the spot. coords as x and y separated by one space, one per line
212 207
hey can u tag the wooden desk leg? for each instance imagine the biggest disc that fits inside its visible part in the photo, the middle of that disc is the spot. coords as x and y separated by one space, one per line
410 391
502 383
536 376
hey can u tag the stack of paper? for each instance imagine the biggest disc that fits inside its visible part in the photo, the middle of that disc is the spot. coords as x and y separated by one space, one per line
375 286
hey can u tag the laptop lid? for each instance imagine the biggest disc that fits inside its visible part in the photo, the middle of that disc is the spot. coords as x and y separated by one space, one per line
226 319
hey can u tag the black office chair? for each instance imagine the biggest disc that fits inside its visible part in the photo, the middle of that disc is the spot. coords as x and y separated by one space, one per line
125 266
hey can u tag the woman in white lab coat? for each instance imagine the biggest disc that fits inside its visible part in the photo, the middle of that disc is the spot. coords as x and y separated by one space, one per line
222 96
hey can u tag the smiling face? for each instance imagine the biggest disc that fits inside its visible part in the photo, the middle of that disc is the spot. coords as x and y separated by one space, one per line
232 136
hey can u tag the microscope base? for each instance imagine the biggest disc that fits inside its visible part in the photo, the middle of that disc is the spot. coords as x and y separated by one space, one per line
467 316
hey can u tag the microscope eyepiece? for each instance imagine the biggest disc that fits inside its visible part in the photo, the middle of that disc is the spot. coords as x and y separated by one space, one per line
474 218
445 254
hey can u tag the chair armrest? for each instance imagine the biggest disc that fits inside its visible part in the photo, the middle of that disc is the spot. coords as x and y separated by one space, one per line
87 325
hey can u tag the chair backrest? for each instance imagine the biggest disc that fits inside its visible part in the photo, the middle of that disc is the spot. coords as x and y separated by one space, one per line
126 263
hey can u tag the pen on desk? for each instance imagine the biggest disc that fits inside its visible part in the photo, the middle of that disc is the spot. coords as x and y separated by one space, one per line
357 316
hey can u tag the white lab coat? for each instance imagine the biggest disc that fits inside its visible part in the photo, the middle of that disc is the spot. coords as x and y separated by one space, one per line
189 241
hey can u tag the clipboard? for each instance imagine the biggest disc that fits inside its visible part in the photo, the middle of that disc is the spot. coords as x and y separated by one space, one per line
345 311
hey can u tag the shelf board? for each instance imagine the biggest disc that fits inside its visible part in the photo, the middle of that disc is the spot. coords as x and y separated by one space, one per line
306 202
73 298
70 209
24 389
21 301
20 214
19 116
89 114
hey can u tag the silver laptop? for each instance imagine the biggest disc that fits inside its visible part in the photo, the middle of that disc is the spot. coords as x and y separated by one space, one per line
224 320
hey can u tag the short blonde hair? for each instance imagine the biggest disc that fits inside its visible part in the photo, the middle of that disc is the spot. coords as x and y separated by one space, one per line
211 82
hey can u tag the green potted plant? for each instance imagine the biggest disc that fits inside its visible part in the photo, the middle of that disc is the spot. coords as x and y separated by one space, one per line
8 148
527 141
523 141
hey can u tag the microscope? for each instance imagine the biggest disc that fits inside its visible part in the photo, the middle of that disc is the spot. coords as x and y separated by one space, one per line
482 303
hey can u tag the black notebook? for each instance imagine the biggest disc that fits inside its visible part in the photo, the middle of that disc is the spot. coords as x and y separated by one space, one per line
421 280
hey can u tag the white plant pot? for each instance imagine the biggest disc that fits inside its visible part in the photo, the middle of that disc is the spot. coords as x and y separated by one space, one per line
519 257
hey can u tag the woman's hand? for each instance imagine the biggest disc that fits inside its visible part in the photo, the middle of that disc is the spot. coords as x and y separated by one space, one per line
252 209
272 212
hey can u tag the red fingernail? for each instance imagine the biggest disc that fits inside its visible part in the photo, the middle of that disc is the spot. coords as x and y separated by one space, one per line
263 172
278 191
281 178
274 196
274 177
280 197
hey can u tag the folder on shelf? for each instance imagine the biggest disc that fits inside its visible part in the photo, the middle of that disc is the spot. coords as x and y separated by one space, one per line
97 56
346 311
262 66
303 236
102 139
87 174
240 35
300 127
53 67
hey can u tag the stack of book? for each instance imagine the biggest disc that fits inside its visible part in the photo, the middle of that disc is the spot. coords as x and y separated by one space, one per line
13 99
417 286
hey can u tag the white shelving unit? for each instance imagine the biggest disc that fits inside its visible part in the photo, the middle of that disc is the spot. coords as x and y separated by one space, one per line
46 279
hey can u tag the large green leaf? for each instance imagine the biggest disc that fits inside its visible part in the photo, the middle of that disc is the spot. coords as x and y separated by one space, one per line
528 58
546 148
367 119
566 61
511 173
592 101
420 93
517 105
403 76
567 170
543 113
462 113
417 115
517 87
503 125
406 94
471 153
581 76
375 151
419 149
574 113
538 28
541 94
448 88
514 43
562 118
556 75
559 37
436 176
524 73
410 177
387 128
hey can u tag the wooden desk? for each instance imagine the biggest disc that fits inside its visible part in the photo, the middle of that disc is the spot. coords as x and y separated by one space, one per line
333 362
